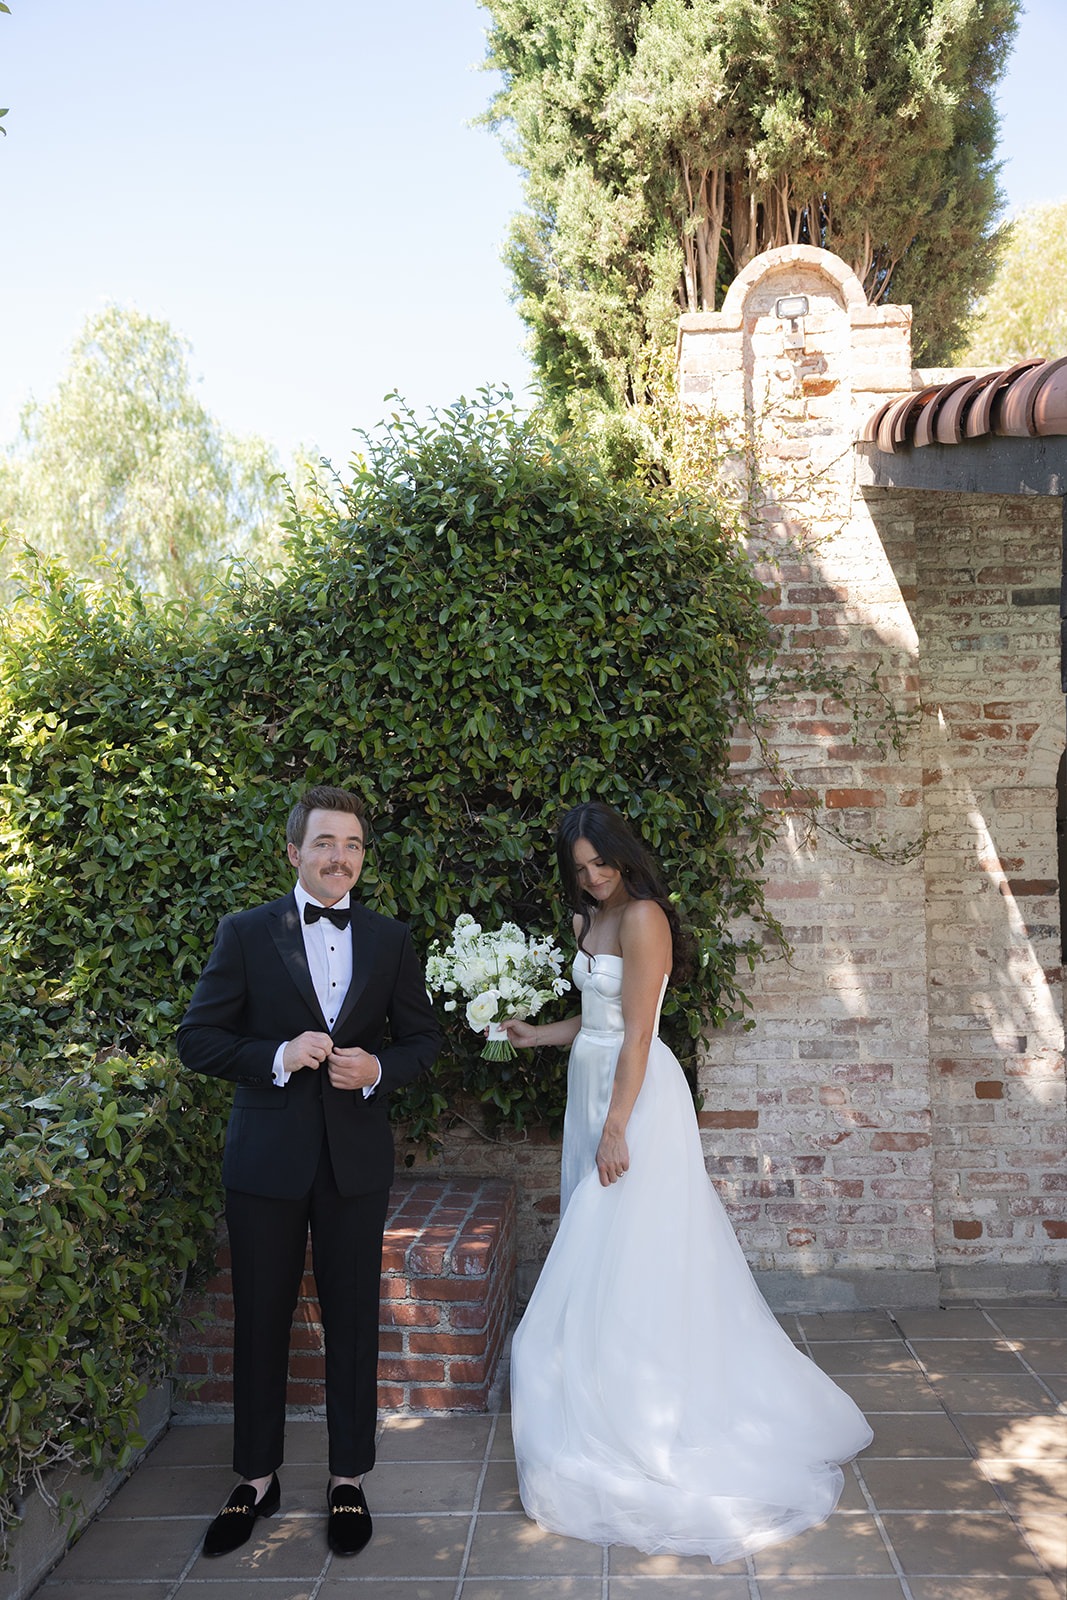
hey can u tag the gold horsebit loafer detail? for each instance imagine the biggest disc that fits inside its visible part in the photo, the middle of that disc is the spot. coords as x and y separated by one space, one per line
350 1525
234 1523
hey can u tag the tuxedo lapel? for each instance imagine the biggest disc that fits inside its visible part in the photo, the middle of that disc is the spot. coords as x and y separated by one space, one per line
362 932
288 936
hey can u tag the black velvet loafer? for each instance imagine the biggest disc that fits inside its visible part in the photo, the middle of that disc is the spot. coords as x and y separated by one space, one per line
234 1523
350 1526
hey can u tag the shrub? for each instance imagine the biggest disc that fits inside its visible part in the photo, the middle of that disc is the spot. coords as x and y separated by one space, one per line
479 630
108 1194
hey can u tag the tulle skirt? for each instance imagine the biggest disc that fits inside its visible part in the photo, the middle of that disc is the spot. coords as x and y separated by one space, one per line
656 1401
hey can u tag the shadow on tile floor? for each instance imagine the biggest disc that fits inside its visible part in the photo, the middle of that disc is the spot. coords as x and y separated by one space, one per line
962 1495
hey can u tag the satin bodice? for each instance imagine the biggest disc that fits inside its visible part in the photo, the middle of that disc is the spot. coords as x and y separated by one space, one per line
600 980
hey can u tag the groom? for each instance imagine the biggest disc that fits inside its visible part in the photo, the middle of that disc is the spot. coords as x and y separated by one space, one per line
315 1008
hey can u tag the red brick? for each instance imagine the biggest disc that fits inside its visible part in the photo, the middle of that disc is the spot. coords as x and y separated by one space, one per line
1001 1182
989 1089
783 616
854 799
405 1369
409 1314
1054 1228
446 1344
394 1288
473 1258
464 1371
424 1259
967 1230
447 1288
899 1141
422 1398
392 1396
728 1119
475 1317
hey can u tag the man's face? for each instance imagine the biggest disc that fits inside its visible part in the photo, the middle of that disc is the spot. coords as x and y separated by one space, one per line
330 860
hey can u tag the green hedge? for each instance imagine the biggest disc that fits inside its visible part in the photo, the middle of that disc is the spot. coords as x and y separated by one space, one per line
480 630
108 1195
477 631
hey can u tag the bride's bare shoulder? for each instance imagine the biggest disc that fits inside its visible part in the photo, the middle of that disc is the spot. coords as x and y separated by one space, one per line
643 919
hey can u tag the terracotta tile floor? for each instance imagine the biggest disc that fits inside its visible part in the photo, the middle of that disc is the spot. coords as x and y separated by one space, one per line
962 1496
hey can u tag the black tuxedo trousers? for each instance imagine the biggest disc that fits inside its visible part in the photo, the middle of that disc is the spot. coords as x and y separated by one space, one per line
306 1156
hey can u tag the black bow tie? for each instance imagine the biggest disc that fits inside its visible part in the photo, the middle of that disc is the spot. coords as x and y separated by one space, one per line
340 916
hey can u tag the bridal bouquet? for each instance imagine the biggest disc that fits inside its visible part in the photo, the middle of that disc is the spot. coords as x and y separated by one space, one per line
502 974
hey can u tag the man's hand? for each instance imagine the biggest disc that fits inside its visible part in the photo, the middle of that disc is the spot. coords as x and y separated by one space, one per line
306 1050
352 1068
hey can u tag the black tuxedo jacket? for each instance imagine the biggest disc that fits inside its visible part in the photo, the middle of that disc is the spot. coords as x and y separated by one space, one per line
255 993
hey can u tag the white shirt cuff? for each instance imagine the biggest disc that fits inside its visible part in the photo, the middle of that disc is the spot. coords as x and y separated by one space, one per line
371 1088
280 1075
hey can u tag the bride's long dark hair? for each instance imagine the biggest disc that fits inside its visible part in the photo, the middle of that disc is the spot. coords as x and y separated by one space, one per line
617 846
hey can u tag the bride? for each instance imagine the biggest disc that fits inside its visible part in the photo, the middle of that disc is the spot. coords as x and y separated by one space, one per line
656 1402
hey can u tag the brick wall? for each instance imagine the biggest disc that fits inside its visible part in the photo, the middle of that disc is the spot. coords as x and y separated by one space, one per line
988 618
816 1122
448 1294
893 1124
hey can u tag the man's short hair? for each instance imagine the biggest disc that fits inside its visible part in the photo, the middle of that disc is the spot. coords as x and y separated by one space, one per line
323 797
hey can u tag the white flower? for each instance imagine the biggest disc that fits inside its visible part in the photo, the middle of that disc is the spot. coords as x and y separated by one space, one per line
503 972
482 1009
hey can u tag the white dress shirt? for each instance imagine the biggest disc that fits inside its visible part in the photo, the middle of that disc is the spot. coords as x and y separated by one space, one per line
329 957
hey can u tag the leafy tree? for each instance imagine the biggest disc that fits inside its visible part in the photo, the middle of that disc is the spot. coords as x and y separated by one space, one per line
667 142
123 467
1025 312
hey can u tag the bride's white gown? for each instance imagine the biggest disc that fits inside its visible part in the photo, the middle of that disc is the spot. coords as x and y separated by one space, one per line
656 1402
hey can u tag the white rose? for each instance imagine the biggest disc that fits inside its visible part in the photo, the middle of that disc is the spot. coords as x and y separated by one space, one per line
482 1009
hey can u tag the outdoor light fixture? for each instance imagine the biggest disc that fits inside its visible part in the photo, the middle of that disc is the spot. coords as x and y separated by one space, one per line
792 308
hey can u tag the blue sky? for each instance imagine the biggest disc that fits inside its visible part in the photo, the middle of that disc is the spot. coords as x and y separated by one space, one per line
296 188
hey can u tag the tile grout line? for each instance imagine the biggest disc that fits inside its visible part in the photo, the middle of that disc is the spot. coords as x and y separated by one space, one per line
1058 1403
317 1583
898 1569
188 1567
973 1455
476 1509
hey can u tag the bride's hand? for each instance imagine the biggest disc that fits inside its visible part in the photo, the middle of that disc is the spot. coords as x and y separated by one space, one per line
523 1035
612 1157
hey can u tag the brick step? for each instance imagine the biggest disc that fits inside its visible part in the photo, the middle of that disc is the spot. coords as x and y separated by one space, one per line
447 1297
